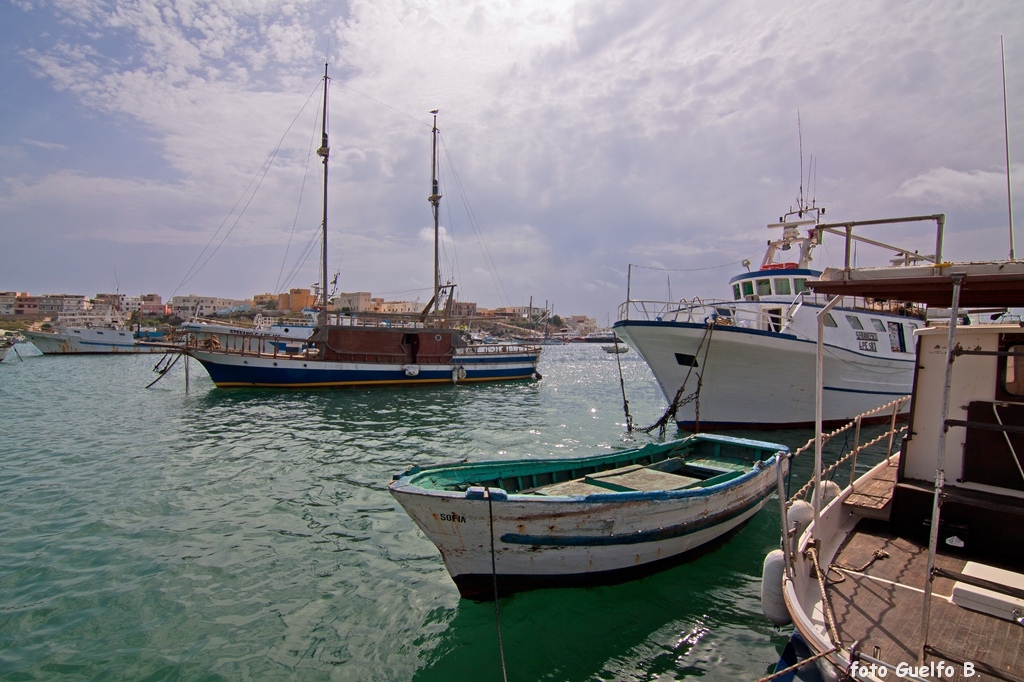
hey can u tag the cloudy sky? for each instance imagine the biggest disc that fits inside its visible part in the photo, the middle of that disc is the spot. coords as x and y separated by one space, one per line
167 146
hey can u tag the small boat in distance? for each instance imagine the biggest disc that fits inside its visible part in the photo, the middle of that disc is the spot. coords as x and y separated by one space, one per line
271 333
761 344
586 520
616 348
363 349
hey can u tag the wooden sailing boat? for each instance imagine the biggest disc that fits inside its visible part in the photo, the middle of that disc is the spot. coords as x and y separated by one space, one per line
365 349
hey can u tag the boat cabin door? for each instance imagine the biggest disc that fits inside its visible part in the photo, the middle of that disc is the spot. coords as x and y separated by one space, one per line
411 344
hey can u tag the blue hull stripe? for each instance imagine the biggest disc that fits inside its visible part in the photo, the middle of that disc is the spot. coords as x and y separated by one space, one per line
757 332
229 376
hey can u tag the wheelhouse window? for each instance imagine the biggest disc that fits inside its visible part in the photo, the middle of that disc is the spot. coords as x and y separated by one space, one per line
854 322
782 287
830 321
877 324
897 340
1014 382
748 289
764 287
799 284
736 292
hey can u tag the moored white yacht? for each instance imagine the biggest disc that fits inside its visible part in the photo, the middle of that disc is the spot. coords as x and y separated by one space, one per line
749 361
916 569
97 332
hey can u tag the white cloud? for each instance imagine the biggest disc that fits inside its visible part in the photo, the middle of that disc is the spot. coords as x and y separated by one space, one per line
586 135
955 188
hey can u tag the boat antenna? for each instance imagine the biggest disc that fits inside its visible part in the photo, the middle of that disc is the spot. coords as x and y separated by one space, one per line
324 152
800 143
435 201
1006 137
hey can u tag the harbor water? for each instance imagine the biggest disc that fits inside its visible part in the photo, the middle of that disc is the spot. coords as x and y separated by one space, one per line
234 534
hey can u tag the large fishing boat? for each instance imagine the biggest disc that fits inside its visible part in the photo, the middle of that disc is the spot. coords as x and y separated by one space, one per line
748 361
101 331
363 348
916 569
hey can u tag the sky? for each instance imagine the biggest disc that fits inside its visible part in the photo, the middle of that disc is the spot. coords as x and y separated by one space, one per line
169 146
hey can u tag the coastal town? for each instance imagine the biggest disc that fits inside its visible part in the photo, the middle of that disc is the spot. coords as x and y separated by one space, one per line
22 310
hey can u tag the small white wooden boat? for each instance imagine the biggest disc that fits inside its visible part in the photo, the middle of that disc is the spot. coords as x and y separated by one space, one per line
506 526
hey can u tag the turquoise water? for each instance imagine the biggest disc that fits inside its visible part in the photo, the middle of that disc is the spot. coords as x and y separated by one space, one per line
159 534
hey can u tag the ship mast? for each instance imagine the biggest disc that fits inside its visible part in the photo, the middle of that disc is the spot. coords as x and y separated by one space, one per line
435 201
324 152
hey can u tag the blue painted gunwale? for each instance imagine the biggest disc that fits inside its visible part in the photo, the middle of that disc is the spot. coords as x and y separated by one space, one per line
428 480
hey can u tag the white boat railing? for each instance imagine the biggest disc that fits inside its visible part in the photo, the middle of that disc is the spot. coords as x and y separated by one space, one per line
755 313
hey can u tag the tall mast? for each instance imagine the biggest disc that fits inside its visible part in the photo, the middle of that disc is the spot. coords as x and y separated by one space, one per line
435 201
1006 137
324 152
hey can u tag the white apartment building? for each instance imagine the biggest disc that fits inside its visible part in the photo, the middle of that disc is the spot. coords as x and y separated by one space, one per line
192 305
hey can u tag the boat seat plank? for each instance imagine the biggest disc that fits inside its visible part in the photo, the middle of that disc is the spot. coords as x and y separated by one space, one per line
576 487
877 492
718 465
631 478
640 479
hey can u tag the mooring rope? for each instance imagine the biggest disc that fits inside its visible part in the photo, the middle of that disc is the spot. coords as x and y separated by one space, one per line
826 606
494 578
622 385
163 372
678 401
798 664
839 568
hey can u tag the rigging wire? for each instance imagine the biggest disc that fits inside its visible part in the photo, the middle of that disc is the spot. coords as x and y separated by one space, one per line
485 252
257 179
279 286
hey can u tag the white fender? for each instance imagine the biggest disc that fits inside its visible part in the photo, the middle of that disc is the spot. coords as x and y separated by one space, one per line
772 603
830 491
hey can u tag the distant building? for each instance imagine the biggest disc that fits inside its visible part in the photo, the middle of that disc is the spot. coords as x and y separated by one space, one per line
150 304
262 300
581 324
399 307
356 302
295 300
463 309
513 311
18 303
56 305
115 301
203 306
